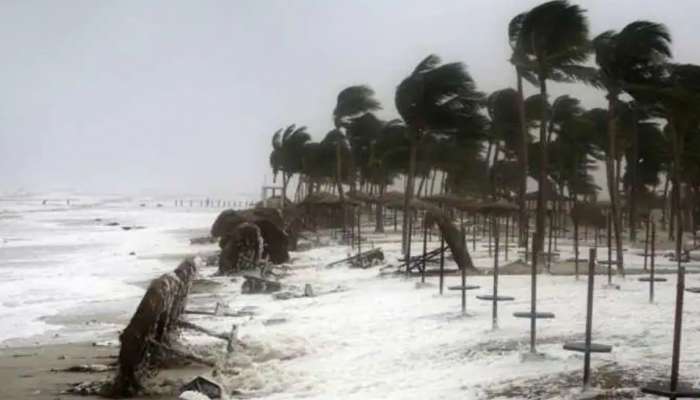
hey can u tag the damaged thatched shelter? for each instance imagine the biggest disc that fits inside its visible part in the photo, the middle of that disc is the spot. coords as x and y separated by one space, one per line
325 210
274 202
246 236
152 328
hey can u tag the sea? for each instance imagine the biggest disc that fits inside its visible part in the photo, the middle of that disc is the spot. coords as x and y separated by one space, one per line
74 266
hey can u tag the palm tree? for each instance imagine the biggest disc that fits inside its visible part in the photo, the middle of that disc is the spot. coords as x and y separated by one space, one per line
353 102
504 111
628 56
553 40
677 89
518 60
287 154
433 99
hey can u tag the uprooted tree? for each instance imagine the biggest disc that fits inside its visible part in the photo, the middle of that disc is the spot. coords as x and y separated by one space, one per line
453 238
151 329
246 236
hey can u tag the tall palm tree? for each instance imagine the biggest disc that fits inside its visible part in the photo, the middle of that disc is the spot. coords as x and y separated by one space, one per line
677 89
287 154
553 39
628 56
518 59
353 102
435 98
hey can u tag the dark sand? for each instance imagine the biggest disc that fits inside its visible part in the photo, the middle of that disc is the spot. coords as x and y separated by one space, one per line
35 372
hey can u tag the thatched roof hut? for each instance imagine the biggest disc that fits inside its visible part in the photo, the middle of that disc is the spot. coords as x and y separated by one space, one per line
273 202
499 207
395 200
454 201
325 199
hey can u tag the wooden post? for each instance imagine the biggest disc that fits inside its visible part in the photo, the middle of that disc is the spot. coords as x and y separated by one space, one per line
507 226
359 236
464 284
425 252
677 326
653 268
494 315
408 242
575 218
646 242
549 245
589 318
609 221
394 220
474 232
442 261
489 228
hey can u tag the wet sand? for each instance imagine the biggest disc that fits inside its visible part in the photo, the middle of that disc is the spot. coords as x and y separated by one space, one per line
36 372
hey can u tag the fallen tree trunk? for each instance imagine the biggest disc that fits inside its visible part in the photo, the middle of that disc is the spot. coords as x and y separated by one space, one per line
453 238
154 321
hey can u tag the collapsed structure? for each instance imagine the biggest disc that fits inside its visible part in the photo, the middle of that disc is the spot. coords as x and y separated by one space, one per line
248 236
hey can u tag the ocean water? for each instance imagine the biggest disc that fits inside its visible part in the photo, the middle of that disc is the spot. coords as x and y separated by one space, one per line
63 261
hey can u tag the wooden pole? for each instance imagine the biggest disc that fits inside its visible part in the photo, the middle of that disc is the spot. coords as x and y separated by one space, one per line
507 226
677 327
464 283
408 241
653 268
609 220
494 316
576 245
589 318
425 252
359 236
646 243
474 232
549 245
442 261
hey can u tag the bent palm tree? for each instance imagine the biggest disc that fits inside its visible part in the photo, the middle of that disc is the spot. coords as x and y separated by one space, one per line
629 56
287 154
553 39
433 99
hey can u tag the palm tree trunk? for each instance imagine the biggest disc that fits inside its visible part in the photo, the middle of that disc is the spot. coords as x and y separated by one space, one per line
407 198
522 206
634 165
677 131
420 186
492 171
612 183
379 225
338 180
285 181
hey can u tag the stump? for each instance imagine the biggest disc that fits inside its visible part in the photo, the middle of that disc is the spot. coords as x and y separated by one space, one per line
154 322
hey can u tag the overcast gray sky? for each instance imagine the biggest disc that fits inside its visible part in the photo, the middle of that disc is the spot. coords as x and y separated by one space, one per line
183 96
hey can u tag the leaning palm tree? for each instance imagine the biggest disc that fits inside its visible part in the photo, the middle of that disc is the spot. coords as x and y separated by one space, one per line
287 154
435 98
678 91
353 102
518 60
628 56
553 40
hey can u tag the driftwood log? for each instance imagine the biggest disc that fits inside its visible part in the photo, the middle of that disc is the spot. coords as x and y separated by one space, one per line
154 322
453 238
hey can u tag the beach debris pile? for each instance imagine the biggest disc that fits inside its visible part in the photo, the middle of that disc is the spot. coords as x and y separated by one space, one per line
247 237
